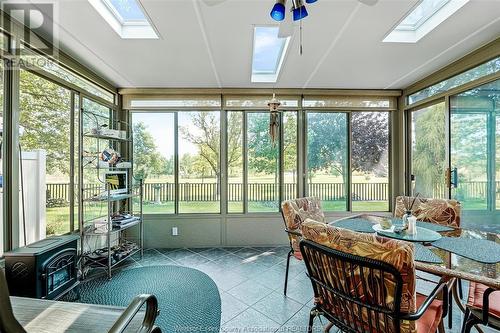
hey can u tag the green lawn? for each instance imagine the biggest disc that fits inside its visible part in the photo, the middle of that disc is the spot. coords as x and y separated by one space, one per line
58 218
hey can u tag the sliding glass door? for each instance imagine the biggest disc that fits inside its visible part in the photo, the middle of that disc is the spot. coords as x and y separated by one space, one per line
455 153
475 154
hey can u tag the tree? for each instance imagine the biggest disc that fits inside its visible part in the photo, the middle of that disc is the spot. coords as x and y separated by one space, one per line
206 136
44 120
370 142
290 142
327 143
428 149
262 154
147 159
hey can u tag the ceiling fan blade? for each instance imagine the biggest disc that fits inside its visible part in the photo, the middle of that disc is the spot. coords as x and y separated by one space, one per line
368 2
212 3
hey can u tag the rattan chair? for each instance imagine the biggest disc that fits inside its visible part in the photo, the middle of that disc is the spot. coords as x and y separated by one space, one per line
360 294
9 323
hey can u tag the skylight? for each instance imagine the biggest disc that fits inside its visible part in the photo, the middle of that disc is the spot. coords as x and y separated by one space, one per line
126 17
424 18
268 53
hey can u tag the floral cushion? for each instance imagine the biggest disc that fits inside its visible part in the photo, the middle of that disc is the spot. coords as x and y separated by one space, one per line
439 211
394 252
297 211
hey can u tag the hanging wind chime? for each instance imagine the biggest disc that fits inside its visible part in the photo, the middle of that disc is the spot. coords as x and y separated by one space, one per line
274 124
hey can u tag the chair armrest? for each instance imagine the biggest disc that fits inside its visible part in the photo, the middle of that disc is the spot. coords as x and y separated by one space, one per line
149 316
293 232
486 305
442 286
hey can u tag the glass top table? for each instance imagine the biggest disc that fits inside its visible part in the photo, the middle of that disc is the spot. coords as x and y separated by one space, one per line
467 254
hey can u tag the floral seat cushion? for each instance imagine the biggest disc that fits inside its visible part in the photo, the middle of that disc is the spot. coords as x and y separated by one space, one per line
440 211
295 212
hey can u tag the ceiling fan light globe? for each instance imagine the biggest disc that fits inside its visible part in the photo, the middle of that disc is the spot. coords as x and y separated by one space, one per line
278 12
299 13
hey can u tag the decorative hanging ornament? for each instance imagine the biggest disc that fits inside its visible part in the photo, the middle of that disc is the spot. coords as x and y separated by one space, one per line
273 104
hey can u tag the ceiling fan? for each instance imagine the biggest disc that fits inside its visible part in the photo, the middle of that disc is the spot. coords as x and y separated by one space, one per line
299 11
296 7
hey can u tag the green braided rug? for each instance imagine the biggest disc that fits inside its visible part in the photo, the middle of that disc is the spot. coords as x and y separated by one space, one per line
186 297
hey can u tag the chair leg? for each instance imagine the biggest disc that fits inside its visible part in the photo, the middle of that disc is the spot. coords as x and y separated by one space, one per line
287 268
450 309
460 292
328 327
466 319
312 314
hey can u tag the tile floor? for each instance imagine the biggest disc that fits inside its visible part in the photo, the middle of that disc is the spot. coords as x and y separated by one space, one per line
250 282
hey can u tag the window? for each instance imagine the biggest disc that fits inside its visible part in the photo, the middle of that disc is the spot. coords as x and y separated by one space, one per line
428 157
327 158
154 153
290 155
262 164
126 17
235 160
370 161
199 162
423 19
30 58
268 53
490 67
45 137
260 174
177 154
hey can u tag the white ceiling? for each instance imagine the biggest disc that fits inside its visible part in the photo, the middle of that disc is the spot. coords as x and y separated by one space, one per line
211 46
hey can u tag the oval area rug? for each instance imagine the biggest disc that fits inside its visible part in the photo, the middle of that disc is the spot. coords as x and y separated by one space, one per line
188 299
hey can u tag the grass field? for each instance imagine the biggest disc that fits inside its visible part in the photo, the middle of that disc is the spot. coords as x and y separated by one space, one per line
58 218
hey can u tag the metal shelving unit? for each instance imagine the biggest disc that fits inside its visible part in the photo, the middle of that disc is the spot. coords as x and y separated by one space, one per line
116 244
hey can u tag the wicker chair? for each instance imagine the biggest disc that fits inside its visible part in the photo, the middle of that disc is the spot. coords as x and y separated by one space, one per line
122 319
294 213
366 283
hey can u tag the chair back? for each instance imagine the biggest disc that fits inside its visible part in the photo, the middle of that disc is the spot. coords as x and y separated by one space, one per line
440 211
296 211
8 323
362 283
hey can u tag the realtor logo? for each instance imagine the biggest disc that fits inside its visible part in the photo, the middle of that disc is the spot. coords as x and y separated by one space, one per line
37 17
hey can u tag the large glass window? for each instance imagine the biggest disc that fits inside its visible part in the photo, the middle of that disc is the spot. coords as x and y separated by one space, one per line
31 58
428 151
235 160
290 155
45 138
199 162
154 138
260 173
490 67
263 165
327 158
370 161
